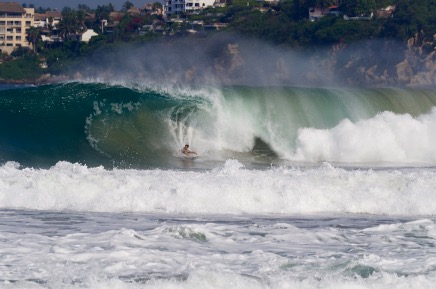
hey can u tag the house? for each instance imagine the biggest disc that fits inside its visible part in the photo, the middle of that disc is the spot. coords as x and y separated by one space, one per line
39 20
87 35
47 19
53 18
14 24
386 12
133 11
315 13
116 16
182 6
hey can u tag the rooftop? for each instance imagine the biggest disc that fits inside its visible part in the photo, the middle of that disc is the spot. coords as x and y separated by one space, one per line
11 7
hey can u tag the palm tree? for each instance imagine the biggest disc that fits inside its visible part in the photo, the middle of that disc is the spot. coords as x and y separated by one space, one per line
68 26
80 18
102 12
32 36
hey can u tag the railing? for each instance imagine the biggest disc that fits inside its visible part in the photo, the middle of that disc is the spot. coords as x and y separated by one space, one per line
10 16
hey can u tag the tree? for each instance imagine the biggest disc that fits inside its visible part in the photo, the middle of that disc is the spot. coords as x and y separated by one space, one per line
32 36
358 7
80 18
68 26
127 5
156 6
102 12
83 7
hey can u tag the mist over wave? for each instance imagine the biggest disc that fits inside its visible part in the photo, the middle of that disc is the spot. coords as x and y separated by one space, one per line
231 59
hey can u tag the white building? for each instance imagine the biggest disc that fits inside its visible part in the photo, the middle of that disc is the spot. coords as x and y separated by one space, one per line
180 6
87 35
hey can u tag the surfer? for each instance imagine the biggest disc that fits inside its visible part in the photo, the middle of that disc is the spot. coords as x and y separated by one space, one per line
187 151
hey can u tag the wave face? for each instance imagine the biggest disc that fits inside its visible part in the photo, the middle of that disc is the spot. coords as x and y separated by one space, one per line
135 127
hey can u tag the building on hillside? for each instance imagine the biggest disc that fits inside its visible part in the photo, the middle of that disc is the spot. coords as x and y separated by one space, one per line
133 11
87 35
39 20
49 19
386 12
15 21
52 18
172 7
116 16
315 13
149 8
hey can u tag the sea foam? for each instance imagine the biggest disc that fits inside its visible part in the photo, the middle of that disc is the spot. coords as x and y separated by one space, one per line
385 138
230 189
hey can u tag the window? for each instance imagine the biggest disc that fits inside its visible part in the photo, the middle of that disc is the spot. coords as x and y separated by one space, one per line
10 30
28 23
9 38
18 38
3 23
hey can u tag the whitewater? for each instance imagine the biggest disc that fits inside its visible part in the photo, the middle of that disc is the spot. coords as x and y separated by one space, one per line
294 187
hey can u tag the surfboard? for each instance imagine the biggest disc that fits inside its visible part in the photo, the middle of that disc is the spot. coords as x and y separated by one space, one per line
188 156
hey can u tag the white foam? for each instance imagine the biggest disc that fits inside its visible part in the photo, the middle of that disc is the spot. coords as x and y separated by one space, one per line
231 189
387 138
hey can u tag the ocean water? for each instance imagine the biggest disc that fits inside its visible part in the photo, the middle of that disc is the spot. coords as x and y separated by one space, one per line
293 187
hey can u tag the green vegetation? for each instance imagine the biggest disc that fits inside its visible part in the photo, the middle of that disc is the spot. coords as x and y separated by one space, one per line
285 23
21 64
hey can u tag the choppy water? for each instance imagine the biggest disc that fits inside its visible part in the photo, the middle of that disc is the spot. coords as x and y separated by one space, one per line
294 187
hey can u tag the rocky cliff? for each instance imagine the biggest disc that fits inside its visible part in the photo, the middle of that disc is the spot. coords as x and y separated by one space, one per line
369 63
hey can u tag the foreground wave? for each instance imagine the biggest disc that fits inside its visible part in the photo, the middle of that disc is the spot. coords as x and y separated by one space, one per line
231 189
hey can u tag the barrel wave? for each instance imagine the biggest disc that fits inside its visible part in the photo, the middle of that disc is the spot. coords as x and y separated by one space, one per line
134 126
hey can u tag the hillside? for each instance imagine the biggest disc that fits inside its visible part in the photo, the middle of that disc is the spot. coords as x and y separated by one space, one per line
354 43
